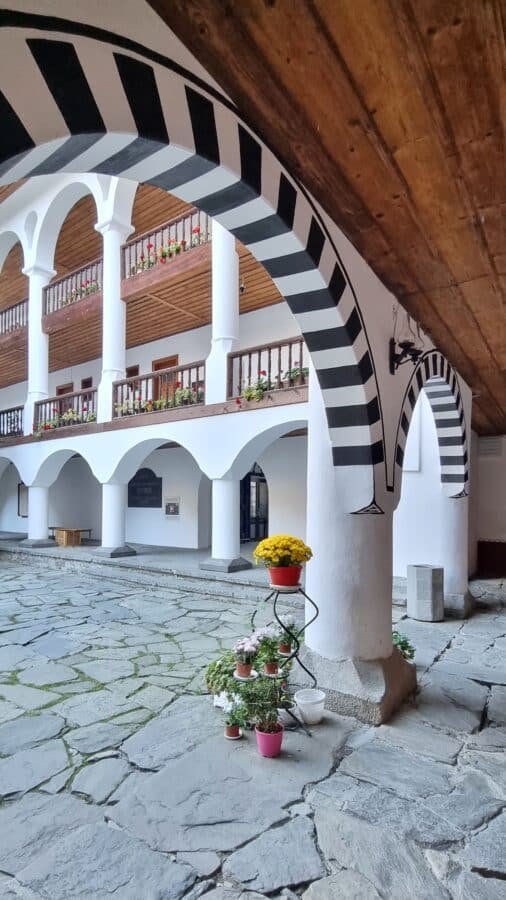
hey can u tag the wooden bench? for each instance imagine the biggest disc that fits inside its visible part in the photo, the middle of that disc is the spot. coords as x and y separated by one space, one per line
68 537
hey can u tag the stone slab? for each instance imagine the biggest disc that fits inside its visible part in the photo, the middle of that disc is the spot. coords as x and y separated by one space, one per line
106 671
396 770
180 728
114 863
56 646
99 736
485 850
98 780
344 885
451 702
204 863
9 711
282 857
28 768
28 731
497 706
396 869
50 673
408 730
92 707
27 698
474 887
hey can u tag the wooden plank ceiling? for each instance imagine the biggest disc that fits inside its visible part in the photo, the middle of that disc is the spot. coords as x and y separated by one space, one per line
391 112
174 306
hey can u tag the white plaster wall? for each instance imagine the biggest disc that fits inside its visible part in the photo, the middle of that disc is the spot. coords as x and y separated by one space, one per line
75 498
491 513
284 465
474 502
180 478
420 515
9 519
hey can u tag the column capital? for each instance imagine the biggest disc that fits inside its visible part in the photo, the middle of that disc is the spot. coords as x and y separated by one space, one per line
39 271
115 224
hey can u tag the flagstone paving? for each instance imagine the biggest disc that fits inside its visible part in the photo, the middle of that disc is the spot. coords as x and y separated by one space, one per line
115 779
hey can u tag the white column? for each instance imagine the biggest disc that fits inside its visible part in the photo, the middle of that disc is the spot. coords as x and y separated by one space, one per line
349 647
114 504
225 540
225 312
453 555
114 234
38 343
38 515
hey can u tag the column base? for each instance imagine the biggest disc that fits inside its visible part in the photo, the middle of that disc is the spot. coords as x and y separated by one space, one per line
459 606
37 542
226 565
368 690
115 552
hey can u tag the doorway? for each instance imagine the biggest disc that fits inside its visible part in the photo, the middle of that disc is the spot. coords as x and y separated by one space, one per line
254 505
165 386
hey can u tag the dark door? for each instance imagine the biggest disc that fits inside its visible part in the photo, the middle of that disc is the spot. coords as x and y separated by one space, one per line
254 512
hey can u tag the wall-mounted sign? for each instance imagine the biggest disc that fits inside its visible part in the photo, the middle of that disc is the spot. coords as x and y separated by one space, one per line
172 507
145 490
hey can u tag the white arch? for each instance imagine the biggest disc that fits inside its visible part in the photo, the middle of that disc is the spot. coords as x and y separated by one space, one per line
255 446
133 458
50 221
8 239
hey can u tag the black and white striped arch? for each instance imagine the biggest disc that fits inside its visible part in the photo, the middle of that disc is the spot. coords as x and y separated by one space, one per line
438 379
84 102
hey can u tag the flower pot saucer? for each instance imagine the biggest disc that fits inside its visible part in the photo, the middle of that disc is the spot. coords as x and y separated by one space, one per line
274 675
285 655
238 737
254 674
286 588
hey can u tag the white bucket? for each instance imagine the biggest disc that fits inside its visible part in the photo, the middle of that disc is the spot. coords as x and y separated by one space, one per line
310 702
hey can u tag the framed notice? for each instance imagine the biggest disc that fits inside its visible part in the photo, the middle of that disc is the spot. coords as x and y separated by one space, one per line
145 490
172 506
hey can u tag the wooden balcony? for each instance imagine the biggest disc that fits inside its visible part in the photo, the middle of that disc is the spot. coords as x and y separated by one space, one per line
268 367
180 386
13 323
65 411
11 422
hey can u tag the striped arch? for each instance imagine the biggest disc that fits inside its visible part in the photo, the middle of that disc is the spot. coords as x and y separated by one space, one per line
84 99
438 379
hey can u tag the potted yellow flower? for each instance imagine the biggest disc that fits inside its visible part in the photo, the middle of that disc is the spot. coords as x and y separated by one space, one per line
283 555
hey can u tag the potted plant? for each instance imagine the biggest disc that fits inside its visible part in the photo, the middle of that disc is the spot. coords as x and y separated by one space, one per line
403 645
296 375
257 390
236 718
261 699
268 649
283 555
286 635
245 651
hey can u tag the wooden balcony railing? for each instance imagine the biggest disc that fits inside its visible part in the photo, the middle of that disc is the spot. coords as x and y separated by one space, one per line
163 244
77 408
14 317
11 422
165 389
270 367
73 287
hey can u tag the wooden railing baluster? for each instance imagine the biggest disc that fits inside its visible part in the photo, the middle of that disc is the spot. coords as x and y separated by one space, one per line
250 375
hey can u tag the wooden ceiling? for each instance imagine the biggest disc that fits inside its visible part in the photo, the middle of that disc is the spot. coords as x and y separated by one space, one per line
172 306
391 112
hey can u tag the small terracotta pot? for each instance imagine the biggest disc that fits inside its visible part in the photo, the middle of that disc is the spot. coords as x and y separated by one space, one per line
269 743
285 648
271 668
285 576
232 731
243 669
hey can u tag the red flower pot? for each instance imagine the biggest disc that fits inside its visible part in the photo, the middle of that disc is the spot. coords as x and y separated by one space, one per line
285 576
269 742
271 668
232 731
285 648
243 669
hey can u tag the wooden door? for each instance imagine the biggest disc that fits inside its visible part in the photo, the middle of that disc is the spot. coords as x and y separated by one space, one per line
163 389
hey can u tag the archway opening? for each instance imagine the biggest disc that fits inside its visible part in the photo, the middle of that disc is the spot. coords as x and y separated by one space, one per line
13 503
75 500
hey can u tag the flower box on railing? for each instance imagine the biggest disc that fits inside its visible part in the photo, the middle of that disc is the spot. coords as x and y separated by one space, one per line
65 410
166 243
269 367
73 287
162 390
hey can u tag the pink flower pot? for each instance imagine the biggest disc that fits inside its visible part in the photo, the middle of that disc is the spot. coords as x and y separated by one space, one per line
269 743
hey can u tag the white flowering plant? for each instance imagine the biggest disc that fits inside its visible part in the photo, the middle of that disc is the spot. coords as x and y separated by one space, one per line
246 649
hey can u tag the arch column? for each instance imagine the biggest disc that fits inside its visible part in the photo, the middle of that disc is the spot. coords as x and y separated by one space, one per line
349 647
38 518
114 506
225 312
225 528
114 234
38 343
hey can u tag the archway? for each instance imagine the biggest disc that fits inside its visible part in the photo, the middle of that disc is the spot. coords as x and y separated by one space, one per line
13 502
172 130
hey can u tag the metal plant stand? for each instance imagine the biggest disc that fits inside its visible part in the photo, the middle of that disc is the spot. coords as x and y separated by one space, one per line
294 638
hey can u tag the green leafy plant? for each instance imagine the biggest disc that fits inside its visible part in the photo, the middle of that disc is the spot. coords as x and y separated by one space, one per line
219 674
237 715
257 389
262 698
296 373
403 645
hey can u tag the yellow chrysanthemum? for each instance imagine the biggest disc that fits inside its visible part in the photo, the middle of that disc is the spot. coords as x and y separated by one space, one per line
282 550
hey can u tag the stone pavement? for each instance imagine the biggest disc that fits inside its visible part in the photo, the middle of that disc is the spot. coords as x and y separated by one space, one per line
115 779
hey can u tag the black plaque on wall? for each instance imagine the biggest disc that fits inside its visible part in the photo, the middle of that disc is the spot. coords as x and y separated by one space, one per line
145 490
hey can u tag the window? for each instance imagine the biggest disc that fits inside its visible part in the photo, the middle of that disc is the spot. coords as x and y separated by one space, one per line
22 500
86 383
131 371
165 386
65 388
